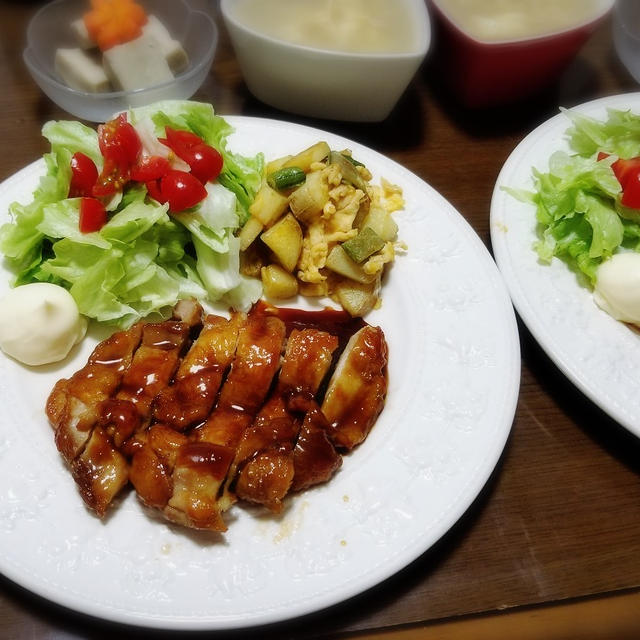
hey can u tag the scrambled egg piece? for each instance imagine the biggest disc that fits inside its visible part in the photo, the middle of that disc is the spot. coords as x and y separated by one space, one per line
377 261
336 222
315 250
333 225
388 196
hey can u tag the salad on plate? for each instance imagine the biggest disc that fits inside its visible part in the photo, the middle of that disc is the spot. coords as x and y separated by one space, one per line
588 208
138 214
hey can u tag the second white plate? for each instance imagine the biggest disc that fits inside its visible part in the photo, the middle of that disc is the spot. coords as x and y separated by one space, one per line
597 353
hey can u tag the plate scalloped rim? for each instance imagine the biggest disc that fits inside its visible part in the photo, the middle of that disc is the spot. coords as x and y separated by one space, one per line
454 380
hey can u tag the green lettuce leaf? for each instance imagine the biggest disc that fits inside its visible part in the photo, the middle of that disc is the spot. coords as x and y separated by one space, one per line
619 134
580 218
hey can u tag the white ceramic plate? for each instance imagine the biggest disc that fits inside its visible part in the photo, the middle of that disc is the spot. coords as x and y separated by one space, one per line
454 377
597 353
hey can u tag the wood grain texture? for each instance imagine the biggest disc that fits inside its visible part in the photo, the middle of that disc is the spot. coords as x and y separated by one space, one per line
559 519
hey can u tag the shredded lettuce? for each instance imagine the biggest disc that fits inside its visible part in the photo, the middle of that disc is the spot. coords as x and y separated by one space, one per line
580 218
144 259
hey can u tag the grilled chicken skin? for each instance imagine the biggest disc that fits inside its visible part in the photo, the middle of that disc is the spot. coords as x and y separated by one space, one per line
74 405
188 401
200 411
358 388
203 465
101 470
315 459
264 455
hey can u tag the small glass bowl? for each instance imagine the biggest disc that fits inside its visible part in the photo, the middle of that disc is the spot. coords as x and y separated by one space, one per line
49 29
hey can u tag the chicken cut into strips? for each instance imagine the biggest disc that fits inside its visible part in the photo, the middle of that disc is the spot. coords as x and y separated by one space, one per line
257 361
74 405
200 470
315 459
151 370
102 470
153 463
198 412
189 400
265 458
203 464
265 462
357 389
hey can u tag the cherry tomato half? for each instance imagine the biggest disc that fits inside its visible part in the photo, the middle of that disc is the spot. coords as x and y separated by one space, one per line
150 168
181 190
84 174
626 170
178 139
93 215
631 192
120 147
204 161
119 141
623 168
153 189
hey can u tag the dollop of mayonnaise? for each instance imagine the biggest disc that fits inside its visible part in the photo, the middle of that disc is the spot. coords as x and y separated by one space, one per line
39 323
617 289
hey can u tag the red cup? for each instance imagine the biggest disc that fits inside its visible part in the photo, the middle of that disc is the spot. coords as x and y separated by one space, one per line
484 74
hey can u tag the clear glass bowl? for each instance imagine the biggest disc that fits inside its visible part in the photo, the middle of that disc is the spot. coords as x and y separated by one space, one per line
49 29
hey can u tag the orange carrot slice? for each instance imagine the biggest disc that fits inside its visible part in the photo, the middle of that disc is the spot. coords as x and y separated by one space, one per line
112 22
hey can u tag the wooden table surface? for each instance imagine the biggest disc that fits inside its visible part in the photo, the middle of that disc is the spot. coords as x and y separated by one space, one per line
559 520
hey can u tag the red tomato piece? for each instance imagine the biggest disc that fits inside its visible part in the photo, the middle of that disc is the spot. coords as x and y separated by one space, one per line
153 189
179 139
150 168
93 215
84 174
181 190
120 147
625 169
119 141
631 192
111 179
205 161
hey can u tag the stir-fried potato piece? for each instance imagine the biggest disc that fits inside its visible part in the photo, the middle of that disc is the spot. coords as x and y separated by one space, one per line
276 164
251 230
356 298
277 282
341 263
314 289
315 153
381 222
268 205
284 238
